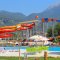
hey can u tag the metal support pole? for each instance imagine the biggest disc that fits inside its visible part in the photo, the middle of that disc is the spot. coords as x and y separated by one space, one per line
53 29
43 29
27 34
46 28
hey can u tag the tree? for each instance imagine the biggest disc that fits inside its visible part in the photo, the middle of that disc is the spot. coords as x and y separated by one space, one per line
57 27
49 32
56 30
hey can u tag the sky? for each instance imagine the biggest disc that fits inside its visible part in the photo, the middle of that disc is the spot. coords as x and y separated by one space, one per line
27 6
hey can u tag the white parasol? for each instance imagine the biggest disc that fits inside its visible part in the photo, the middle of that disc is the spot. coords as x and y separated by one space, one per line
38 37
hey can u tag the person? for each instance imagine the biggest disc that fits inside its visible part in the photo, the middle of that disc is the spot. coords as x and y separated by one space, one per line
4 48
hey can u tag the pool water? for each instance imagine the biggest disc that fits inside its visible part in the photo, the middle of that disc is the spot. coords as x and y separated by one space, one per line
54 48
51 48
13 48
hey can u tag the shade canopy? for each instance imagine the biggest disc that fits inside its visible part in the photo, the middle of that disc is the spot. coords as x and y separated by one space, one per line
57 20
48 19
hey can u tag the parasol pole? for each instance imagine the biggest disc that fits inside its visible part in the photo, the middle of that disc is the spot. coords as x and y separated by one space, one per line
19 50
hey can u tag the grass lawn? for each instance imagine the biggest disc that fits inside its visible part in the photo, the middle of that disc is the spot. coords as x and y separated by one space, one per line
16 58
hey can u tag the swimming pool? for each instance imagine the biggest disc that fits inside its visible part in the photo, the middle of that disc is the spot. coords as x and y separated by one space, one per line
54 48
51 48
13 48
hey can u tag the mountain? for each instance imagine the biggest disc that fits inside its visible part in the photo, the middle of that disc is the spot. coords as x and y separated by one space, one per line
12 18
51 12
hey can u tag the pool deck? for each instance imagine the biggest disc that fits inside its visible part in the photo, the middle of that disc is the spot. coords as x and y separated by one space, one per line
15 53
